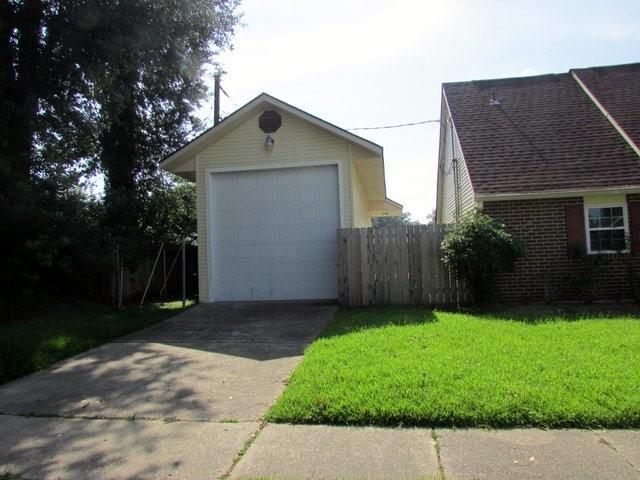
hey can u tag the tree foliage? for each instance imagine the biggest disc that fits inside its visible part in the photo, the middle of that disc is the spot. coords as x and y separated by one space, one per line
88 87
403 219
479 248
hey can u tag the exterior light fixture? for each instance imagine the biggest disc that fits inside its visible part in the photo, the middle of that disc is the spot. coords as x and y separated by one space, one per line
269 142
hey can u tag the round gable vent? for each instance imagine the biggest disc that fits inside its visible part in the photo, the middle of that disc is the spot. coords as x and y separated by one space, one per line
269 121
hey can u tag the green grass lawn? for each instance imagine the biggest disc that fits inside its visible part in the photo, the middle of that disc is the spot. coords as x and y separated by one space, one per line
33 344
412 366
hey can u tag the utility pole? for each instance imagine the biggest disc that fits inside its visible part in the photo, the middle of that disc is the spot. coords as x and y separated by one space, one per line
216 98
184 273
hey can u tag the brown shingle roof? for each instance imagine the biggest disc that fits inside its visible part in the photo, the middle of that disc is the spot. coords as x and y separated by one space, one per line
617 88
546 134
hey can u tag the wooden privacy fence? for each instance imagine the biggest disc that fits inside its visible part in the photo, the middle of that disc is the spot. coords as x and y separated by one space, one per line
396 265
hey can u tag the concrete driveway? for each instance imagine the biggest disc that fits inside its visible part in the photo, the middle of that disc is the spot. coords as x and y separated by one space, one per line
178 399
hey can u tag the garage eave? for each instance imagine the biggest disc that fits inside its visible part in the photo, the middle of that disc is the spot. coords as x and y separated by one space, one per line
210 136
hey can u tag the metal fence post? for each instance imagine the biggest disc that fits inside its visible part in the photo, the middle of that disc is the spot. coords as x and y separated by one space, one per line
153 270
120 270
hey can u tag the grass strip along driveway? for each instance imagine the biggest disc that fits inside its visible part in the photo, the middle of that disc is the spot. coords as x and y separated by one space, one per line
413 366
36 343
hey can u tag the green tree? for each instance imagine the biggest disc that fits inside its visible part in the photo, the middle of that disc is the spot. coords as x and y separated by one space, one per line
147 60
46 114
478 248
171 212
403 219
93 86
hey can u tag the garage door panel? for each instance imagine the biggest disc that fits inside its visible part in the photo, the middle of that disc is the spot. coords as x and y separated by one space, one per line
265 216
244 183
245 252
244 218
267 251
308 233
325 213
275 239
287 251
227 237
226 253
284 198
265 198
307 215
265 234
306 197
285 216
287 233
243 235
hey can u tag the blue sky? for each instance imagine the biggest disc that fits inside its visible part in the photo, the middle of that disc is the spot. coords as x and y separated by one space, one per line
370 63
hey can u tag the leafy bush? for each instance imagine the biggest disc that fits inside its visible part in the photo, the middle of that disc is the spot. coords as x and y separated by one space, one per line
478 248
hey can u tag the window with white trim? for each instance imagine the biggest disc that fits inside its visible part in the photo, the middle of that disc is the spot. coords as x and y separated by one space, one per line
607 228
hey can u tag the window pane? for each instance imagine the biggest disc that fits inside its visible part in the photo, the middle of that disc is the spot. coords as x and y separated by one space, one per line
617 217
617 222
606 240
619 241
594 217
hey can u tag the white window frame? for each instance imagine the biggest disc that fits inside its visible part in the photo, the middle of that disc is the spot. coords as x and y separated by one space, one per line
625 222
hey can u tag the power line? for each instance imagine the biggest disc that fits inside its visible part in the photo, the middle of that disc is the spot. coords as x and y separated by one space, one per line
396 126
228 96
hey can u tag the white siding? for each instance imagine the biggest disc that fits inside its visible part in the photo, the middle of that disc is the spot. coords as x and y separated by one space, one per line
296 143
451 149
361 216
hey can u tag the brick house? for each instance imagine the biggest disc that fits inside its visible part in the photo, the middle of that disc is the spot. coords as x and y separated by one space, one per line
556 158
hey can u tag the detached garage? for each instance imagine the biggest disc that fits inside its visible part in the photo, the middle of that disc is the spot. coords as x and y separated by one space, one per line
273 185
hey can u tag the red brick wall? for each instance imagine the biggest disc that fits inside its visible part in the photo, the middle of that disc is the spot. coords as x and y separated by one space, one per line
546 273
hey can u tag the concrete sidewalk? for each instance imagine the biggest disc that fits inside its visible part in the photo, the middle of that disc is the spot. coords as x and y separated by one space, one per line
325 452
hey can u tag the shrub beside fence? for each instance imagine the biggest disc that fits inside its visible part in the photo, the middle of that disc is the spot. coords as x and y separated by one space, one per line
396 265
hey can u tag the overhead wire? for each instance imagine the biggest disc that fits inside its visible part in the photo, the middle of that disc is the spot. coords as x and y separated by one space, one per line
228 96
411 124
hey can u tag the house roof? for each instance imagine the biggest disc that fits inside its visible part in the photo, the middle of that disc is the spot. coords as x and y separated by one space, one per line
209 136
617 90
544 134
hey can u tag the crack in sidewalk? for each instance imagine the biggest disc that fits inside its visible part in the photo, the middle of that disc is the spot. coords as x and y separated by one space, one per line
438 447
610 445
247 444
129 418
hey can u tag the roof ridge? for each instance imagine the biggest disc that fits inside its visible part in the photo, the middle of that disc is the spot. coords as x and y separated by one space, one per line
602 67
505 79
539 76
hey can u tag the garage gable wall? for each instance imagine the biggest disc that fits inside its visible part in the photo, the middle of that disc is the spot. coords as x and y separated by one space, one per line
297 143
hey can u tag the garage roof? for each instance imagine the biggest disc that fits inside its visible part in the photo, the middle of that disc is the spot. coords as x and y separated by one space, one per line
263 100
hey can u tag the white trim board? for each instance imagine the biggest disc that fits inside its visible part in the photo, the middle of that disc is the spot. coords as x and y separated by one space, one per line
558 194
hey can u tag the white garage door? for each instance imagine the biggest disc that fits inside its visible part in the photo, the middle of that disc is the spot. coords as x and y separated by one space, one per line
274 234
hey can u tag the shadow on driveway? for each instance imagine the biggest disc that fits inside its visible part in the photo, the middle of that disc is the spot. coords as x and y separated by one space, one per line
213 363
